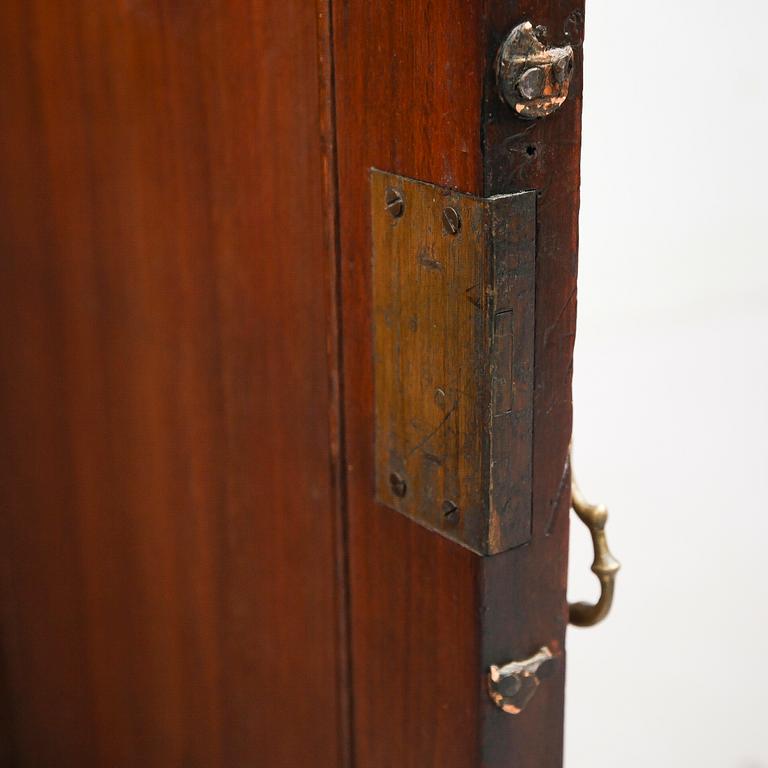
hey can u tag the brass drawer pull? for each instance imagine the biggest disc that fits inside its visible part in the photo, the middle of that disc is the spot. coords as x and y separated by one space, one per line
605 566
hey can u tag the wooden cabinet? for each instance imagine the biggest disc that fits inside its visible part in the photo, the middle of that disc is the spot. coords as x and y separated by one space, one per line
194 567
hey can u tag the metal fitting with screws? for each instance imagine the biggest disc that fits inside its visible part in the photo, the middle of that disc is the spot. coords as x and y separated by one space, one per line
533 79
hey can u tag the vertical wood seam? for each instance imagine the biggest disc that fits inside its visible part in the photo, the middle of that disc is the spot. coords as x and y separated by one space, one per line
330 186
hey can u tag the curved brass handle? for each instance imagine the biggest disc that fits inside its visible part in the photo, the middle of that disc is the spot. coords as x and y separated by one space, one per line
605 566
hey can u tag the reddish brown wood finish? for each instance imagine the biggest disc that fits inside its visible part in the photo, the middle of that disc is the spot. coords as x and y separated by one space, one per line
171 587
415 96
168 527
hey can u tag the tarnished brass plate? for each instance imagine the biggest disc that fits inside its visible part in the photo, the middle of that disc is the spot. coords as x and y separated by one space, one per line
453 298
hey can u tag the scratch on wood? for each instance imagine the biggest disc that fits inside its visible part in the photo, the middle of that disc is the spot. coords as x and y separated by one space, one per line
560 316
473 298
426 260
433 432
555 504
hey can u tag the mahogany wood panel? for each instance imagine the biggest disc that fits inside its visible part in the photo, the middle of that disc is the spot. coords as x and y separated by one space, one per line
168 527
414 96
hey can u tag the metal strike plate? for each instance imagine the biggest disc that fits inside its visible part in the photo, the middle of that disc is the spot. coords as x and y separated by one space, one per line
453 299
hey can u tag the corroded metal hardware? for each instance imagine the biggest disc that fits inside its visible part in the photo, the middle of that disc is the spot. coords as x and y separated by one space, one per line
605 566
512 686
532 78
453 311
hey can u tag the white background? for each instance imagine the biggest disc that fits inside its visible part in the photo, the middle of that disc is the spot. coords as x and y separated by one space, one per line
671 386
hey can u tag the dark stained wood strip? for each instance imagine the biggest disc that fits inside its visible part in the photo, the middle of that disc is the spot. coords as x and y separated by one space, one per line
523 592
332 279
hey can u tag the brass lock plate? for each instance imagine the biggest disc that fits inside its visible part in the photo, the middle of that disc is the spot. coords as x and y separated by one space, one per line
453 301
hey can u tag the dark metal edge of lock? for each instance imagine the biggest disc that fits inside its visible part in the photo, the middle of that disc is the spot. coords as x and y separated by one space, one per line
514 285
509 223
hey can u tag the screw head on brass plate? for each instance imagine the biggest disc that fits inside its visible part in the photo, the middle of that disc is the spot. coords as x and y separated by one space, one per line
451 221
394 202
450 512
397 484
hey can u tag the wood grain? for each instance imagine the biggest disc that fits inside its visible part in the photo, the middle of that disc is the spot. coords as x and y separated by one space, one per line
415 96
168 531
